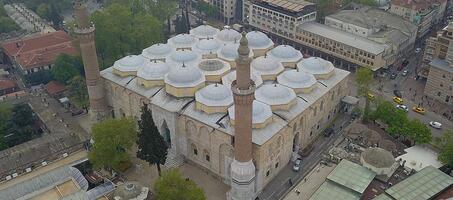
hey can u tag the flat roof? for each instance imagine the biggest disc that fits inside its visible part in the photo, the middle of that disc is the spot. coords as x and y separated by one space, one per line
423 185
418 157
329 190
346 38
441 64
352 176
291 5
295 8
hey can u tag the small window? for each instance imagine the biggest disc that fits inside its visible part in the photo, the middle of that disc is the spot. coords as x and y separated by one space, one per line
311 133
317 127
268 172
276 165
195 151
207 157
439 93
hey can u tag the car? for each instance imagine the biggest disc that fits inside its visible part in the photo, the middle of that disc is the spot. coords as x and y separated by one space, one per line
417 50
296 166
397 93
370 96
402 107
398 100
418 110
328 132
405 72
405 63
400 67
436 125
393 76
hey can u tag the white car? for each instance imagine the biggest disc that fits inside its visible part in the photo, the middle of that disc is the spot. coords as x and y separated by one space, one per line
402 107
436 125
405 72
417 50
296 166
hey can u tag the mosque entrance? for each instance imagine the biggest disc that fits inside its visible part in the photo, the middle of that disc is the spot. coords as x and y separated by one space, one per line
296 147
166 135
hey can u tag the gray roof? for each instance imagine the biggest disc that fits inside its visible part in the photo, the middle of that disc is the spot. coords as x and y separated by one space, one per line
346 38
329 190
31 187
368 17
352 176
441 64
423 185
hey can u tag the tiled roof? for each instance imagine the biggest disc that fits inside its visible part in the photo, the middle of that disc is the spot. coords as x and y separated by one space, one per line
416 4
7 84
54 87
39 50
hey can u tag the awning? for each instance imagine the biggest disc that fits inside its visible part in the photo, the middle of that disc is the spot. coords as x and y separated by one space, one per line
350 100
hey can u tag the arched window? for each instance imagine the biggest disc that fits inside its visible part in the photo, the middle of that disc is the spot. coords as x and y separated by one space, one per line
194 149
321 106
295 127
191 128
301 123
207 156
167 136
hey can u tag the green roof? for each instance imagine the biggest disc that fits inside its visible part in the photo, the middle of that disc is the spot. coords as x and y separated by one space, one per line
352 176
329 190
423 185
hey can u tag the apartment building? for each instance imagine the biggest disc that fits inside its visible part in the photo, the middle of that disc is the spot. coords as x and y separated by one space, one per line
439 84
435 47
423 13
279 17
227 8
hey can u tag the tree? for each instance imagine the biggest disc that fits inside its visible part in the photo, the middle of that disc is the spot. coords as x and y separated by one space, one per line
418 132
446 148
112 139
151 145
78 91
120 32
42 76
171 186
66 67
6 23
364 79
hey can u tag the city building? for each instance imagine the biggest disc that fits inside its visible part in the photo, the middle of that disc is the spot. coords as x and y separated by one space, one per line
7 86
229 9
278 17
192 89
423 13
37 52
27 19
438 66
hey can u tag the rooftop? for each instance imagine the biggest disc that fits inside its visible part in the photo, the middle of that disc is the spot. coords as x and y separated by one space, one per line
290 7
344 37
7 84
351 176
39 50
329 190
54 87
441 64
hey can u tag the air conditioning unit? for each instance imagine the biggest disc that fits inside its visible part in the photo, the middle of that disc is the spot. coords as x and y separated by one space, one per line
8 177
15 175
65 155
28 170
44 163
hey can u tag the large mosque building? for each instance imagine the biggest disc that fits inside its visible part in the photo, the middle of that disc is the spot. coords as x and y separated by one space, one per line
188 84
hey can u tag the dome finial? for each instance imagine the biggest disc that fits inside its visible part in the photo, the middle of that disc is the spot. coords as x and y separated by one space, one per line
243 46
183 64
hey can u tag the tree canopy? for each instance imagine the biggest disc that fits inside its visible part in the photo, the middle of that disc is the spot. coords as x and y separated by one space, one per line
446 148
364 79
67 67
112 139
151 145
6 23
120 32
78 91
172 186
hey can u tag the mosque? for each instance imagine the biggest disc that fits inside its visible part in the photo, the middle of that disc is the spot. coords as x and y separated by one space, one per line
235 105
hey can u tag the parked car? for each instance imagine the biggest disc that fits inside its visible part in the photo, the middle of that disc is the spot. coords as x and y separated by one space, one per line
405 63
402 107
398 100
296 166
436 125
397 93
393 76
370 96
417 50
328 132
405 72
418 110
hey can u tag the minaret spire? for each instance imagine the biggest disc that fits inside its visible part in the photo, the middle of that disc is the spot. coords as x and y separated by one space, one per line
242 168
84 31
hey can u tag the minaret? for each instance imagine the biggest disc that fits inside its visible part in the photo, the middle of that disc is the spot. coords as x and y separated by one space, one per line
242 168
84 31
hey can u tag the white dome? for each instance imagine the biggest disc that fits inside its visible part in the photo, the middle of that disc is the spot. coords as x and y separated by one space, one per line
204 31
275 94
261 112
213 66
186 57
286 53
182 41
155 70
296 79
229 51
230 77
129 63
215 95
157 51
315 66
228 36
259 40
184 76
265 65
207 46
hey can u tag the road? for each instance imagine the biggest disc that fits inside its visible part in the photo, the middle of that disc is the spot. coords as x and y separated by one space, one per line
278 187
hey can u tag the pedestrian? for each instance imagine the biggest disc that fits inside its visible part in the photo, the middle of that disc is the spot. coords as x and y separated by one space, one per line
290 182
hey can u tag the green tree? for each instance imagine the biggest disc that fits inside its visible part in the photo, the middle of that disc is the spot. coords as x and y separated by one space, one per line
172 186
112 139
181 26
66 67
78 91
364 79
43 10
151 145
446 148
120 32
22 115
6 110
